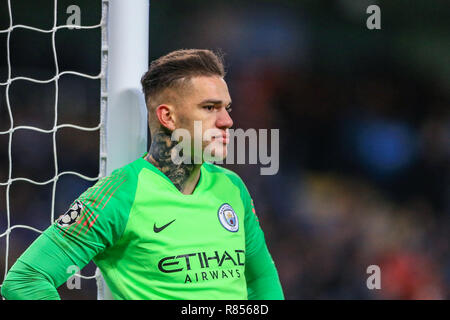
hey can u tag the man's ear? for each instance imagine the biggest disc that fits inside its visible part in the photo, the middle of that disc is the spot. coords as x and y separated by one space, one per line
166 116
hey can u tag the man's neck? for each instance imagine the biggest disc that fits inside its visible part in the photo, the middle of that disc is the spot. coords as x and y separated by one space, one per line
184 176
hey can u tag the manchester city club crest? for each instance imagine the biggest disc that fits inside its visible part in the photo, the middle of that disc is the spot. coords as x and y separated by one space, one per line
72 215
228 218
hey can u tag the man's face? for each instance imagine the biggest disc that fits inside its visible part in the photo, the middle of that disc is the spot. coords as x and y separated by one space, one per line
206 102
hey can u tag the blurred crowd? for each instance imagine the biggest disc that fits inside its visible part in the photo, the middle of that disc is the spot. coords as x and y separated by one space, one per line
363 180
364 142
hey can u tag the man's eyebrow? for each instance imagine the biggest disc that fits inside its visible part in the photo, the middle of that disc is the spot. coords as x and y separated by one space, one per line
213 101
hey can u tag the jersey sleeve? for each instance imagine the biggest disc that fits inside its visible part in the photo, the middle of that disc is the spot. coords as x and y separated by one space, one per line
93 223
261 274
97 219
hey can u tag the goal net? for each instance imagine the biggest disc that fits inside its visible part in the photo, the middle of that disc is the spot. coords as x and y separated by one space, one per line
122 125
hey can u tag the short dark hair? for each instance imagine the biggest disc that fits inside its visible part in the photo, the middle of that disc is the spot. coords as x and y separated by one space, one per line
168 70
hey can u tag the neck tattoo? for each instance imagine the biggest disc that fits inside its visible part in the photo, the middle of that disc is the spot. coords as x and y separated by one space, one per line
160 157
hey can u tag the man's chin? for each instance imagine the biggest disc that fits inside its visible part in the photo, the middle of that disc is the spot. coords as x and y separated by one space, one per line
217 154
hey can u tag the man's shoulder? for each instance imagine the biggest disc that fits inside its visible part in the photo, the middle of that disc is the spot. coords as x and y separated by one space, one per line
130 170
231 175
119 183
214 168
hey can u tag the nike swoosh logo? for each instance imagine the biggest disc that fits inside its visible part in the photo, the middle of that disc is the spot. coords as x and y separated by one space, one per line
156 229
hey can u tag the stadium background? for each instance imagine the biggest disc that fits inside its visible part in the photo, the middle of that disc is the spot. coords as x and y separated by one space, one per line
363 118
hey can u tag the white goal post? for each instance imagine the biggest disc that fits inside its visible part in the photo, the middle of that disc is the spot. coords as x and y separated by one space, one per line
123 138
124 29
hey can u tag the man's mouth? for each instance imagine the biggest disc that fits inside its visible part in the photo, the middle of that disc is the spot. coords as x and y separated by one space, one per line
223 138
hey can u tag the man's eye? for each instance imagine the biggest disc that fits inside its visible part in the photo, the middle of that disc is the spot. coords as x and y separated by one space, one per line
229 109
209 108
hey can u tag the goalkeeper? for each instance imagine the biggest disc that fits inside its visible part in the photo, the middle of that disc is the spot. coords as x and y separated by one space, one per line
157 229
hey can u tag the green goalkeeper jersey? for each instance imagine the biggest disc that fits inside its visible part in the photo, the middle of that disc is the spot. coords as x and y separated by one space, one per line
150 241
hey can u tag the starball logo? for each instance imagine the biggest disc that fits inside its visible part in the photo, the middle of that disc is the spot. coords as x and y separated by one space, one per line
205 266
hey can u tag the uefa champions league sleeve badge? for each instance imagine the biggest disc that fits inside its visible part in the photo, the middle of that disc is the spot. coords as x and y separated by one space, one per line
72 215
228 218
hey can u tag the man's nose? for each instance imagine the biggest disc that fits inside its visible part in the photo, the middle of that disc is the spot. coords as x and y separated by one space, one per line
224 120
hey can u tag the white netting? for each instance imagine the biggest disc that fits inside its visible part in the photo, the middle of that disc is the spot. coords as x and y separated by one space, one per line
100 127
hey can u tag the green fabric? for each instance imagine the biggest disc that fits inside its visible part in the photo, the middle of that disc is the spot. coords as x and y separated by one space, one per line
213 247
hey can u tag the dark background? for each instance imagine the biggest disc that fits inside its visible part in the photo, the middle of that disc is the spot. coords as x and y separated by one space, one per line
363 118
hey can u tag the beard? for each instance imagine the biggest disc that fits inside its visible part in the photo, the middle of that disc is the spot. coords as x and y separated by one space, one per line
210 146
215 151
215 145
